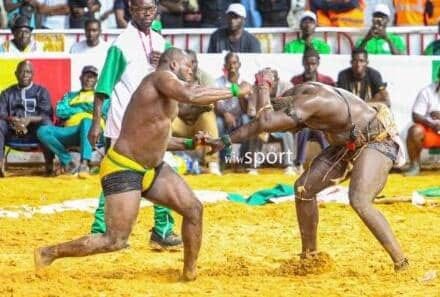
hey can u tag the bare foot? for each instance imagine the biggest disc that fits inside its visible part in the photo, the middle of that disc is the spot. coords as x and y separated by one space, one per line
401 265
41 259
189 276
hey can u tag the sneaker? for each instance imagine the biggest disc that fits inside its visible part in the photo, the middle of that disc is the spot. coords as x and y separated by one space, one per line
289 170
413 170
171 242
84 171
214 168
69 170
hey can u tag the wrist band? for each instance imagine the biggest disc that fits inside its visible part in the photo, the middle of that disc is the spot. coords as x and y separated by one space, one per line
235 89
188 143
226 139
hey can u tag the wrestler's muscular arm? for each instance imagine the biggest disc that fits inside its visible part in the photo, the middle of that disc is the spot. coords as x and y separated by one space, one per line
173 88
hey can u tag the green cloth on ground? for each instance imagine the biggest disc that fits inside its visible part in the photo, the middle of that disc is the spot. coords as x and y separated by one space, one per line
262 197
431 192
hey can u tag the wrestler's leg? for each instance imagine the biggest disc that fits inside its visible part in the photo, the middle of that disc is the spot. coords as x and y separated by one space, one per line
368 178
170 190
318 177
121 211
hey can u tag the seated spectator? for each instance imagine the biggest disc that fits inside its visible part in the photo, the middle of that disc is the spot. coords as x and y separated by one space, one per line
287 141
193 118
231 113
234 38
377 40
310 62
213 12
253 18
93 43
369 9
307 25
416 12
76 109
25 108
171 12
16 8
54 13
337 13
82 10
425 132
274 12
22 41
362 80
433 49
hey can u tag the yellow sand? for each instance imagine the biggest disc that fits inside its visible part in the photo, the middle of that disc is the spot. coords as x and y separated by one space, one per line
247 251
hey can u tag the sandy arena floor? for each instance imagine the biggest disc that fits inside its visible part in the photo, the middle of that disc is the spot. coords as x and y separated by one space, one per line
247 251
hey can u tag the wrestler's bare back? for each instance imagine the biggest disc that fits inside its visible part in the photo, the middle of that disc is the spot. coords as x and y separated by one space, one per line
146 126
324 109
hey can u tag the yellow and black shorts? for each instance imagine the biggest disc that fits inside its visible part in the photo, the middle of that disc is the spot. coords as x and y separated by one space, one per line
120 174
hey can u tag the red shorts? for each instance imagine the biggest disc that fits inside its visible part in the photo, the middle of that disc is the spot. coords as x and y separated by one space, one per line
432 138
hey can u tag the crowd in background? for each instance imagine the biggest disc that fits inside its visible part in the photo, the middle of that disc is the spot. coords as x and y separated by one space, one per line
230 18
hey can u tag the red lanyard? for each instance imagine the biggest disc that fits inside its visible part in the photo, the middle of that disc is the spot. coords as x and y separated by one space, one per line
147 54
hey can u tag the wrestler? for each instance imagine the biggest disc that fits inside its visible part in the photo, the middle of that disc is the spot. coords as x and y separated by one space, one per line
134 168
364 144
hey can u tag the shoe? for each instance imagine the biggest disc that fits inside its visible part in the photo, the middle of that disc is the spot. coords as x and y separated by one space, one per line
413 170
83 171
289 170
69 170
252 171
214 168
171 242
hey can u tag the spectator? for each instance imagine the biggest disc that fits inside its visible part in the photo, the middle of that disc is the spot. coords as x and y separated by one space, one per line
362 80
433 49
192 118
234 38
213 12
192 16
377 40
3 17
22 41
369 9
81 10
337 13
76 109
55 14
253 15
24 109
171 12
310 62
425 132
16 8
307 25
287 141
121 9
411 12
274 12
93 43
231 113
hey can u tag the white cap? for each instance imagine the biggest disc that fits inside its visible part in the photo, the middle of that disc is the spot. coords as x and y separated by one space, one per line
238 9
308 14
383 9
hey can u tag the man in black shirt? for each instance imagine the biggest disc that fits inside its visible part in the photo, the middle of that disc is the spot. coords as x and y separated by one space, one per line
234 38
363 81
24 108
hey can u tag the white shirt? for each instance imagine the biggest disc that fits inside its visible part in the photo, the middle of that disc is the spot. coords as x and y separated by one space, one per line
427 101
134 46
55 21
82 48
